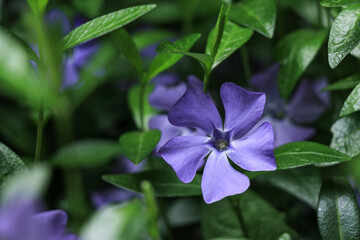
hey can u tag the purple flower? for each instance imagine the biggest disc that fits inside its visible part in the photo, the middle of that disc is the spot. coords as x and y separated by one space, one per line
252 151
305 106
21 219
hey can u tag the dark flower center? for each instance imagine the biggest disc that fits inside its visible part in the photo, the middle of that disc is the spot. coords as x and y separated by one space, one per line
222 145
278 114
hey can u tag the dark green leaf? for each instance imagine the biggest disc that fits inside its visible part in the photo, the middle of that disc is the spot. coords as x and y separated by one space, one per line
338 211
114 222
138 145
164 61
346 135
169 47
338 3
344 34
233 38
295 52
30 52
303 183
259 15
165 183
127 47
86 153
263 222
104 24
346 83
10 165
133 99
352 103
148 37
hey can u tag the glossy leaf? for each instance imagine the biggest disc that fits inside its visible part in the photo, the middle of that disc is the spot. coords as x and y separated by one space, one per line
203 59
295 52
104 24
138 145
338 211
232 39
352 103
259 15
133 99
165 183
344 34
338 3
128 48
346 135
263 221
164 61
346 83
10 165
114 222
356 51
87 153
303 183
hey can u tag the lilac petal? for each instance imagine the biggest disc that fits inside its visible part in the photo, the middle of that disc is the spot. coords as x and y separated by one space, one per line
266 82
54 221
305 105
168 131
71 73
83 53
195 109
167 79
286 132
243 109
320 84
112 195
195 82
57 18
184 155
255 152
164 97
220 179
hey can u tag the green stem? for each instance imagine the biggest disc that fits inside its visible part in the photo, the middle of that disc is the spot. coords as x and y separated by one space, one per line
235 200
141 98
206 81
246 64
39 135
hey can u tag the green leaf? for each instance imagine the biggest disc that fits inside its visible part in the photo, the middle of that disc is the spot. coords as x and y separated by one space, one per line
346 135
295 52
148 37
338 211
114 222
152 210
38 6
10 165
232 39
128 48
259 15
203 59
138 145
344 34
165 183
285 236
338 3
90 8
356 51
30 52
303 183
87 153
164 61
346 83
263 221
104 24
133 99
352 103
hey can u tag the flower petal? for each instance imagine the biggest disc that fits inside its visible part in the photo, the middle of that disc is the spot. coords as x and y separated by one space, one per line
243 109
57 19
168 131
71 73
220 179
184 155
255 152
306 105
164 97
195 109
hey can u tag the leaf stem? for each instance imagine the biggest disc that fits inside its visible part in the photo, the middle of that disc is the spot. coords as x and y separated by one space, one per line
246 64
206 81
39 135
235 201
141 99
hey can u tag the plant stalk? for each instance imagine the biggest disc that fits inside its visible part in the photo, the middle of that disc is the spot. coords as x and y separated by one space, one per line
39 135
246 64
235 200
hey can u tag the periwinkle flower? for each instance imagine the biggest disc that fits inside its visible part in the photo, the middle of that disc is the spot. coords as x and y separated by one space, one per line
21 219
250 150
287 118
